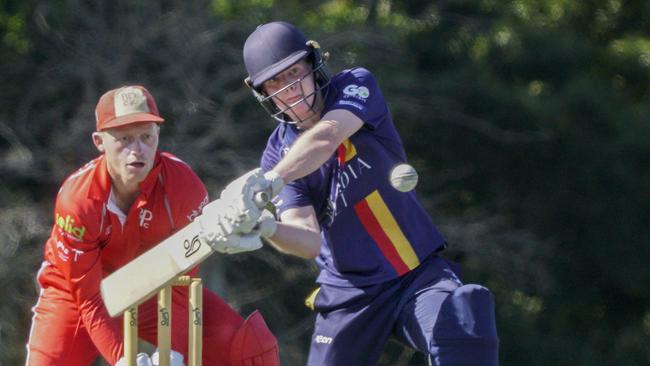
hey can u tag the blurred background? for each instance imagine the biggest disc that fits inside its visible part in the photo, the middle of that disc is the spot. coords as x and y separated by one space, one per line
527 120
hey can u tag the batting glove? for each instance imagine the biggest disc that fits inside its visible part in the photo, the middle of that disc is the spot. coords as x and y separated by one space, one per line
243 195
219 219
266 225
220 231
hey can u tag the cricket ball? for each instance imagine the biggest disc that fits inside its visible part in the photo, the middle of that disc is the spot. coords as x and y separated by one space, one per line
403 177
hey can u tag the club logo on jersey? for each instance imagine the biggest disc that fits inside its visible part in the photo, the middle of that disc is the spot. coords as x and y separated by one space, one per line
145 217
355 91
191 246
67 224
64 252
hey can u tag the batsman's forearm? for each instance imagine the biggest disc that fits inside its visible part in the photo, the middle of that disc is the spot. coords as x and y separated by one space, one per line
309 152
296 240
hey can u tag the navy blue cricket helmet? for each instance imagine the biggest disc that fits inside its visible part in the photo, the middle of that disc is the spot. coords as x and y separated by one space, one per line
274 47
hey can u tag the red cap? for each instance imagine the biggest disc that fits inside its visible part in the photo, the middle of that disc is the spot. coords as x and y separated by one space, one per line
126 105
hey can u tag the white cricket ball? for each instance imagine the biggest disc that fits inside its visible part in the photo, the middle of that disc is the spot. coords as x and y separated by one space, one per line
403 177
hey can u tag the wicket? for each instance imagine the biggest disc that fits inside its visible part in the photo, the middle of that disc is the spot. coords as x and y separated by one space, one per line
195 324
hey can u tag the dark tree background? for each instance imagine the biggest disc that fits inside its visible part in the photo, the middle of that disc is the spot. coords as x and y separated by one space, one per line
527 120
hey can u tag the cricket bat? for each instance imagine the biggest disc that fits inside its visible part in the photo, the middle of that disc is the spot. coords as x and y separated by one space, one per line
145 275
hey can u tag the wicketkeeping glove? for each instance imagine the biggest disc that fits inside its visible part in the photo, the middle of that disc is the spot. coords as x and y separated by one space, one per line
141 360
176 358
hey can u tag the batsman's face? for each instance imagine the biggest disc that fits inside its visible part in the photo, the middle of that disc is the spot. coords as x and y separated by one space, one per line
293 90
130 150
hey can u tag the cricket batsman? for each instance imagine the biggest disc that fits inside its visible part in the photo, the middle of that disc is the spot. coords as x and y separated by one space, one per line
328 161
108 212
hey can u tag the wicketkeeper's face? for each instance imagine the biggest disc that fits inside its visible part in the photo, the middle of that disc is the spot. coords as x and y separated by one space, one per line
130 150
293 90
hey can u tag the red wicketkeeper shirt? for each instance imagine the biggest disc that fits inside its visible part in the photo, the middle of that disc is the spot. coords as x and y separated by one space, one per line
91 237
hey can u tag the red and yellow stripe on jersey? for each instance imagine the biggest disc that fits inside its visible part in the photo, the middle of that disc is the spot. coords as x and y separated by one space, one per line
380 224
346 152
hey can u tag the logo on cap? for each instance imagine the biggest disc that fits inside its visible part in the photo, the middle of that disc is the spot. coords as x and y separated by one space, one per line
130 100
125 105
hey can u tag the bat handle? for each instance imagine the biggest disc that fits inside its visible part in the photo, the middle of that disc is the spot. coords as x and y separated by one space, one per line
261 199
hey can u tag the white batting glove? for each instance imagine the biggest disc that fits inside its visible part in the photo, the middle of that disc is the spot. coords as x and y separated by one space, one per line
218 220
238 243
141 360
255 181
177 359
266 224
219 230
273 183
241 195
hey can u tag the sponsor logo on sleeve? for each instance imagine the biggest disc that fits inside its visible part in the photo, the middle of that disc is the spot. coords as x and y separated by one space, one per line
355 91
323 339
195 213
352 104
69 226
64 252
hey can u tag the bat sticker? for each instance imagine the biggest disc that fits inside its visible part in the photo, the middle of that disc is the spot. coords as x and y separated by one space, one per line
191 247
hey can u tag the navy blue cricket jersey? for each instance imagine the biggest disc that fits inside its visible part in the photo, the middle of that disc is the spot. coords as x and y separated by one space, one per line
370 232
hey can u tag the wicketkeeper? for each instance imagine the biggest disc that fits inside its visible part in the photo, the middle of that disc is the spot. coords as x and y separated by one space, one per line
328 162
108 212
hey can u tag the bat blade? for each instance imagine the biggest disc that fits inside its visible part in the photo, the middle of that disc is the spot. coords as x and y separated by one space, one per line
146 274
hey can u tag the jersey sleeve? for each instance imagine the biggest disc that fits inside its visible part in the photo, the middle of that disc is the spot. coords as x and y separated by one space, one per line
186 192
273 150
293 195
359 93
76 250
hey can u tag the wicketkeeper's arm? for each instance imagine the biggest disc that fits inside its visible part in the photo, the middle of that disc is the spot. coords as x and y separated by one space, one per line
82 270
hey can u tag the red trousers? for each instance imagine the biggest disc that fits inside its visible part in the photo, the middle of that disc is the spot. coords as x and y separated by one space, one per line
59 337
